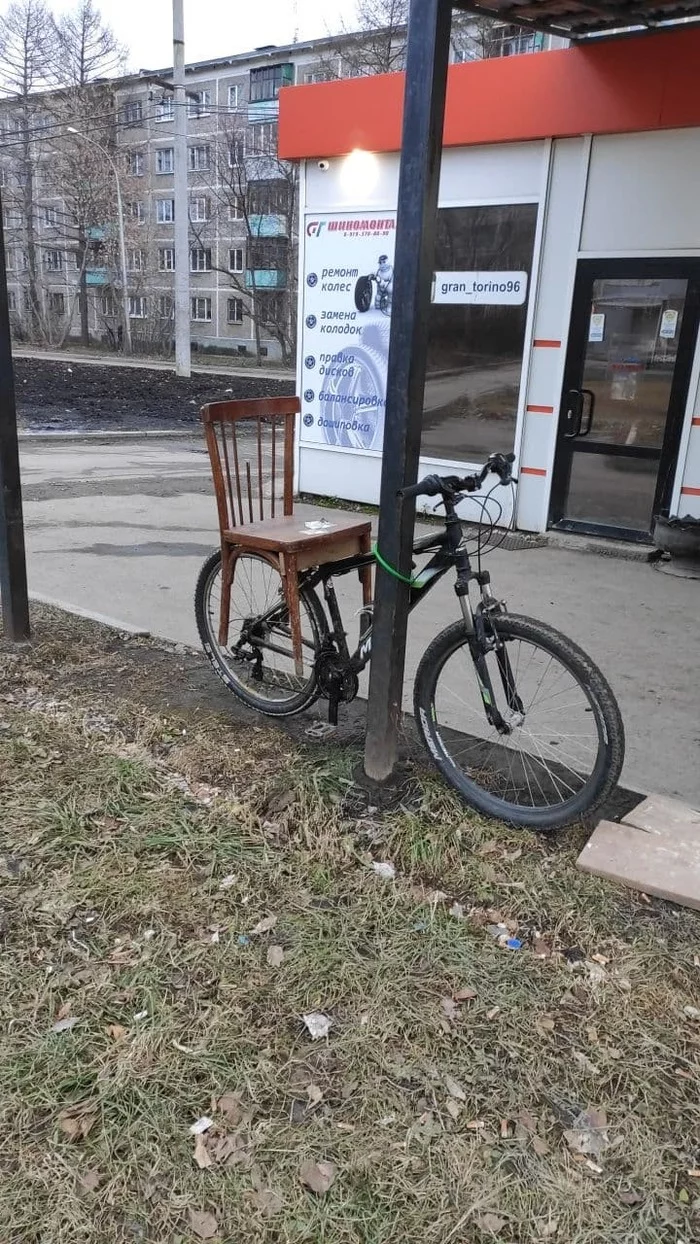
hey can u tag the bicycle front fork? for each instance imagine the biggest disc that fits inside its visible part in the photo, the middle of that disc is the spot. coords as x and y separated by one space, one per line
480 643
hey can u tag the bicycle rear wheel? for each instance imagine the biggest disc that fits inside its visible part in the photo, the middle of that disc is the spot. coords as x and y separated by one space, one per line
563 753
257 662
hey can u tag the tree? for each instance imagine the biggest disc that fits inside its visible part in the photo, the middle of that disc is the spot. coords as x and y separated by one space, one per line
252 199
85 48
25 40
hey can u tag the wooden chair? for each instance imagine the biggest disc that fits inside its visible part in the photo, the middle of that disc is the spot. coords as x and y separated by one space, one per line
251 448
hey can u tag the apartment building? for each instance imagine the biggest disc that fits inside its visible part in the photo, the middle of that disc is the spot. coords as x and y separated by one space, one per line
243 199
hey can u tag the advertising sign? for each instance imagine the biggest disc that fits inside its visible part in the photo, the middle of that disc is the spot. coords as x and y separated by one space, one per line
481 288
348 288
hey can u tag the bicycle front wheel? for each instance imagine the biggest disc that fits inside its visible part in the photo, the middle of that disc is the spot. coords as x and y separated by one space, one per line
562 753
257 660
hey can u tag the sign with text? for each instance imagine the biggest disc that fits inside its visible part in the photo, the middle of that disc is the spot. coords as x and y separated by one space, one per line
481 288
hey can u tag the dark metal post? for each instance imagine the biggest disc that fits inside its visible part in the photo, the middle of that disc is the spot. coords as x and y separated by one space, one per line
13 566
428 44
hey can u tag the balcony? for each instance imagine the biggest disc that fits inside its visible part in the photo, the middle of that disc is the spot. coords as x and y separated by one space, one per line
265 278
268 226
263 110
97 276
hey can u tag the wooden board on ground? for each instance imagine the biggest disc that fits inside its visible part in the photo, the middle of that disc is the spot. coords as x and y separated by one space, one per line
656 848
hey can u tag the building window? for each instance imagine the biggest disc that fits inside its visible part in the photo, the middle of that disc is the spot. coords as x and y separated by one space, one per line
479 345
137 307
235 259
265 83
136 163
136 211
309 76
236 151
201 309
4 177
165 211
263 138
269 254
234 311
271 308
107 306
166 307
200 259
50 217
136 260
12 218
11 300
199 210
166 259
53 261
234 211
166 109
57 304
232 98
199 103
268 197
198 159
131 112
165 160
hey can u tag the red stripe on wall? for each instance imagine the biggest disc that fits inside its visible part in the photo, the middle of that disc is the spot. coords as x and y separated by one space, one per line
532 471
548 342
614 86
690 492
695 423
540 410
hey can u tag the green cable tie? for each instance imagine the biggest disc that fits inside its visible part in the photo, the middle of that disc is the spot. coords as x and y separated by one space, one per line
392 569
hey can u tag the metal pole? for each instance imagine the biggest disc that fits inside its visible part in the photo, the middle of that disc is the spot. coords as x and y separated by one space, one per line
13 563
182 245
427 52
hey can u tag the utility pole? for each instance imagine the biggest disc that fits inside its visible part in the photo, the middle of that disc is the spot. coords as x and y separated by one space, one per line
13 564
427 52
182 234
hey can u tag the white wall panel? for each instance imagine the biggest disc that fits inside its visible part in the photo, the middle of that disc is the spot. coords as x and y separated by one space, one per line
643 193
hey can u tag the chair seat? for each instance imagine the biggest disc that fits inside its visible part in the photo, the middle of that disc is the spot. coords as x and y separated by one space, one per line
290 536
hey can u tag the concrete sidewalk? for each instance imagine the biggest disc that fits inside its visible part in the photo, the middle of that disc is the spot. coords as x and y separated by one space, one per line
121 530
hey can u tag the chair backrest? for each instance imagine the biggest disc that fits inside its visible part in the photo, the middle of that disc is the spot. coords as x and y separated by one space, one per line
251 448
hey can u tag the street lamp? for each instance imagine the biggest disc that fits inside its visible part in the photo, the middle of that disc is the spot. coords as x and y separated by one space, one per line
122 242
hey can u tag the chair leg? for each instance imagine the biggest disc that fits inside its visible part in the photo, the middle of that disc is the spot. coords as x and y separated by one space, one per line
227 566
366 573
291 584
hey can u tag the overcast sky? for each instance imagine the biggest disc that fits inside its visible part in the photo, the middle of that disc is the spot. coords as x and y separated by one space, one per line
212 27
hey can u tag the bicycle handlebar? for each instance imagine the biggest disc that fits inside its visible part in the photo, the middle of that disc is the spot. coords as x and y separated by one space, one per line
450 485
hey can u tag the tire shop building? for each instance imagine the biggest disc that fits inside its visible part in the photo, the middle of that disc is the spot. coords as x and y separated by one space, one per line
566 297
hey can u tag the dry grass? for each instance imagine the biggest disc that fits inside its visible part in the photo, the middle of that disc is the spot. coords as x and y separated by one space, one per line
112 913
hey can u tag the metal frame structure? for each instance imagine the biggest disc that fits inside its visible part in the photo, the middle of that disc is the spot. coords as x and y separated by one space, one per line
13 563
427 50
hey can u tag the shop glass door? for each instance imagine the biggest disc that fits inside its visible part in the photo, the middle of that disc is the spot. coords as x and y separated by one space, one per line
630 351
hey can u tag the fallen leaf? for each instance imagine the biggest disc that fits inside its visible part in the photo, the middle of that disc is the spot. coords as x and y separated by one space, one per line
281 801
90 1181
464 995
691 1012
76 1122
526 1121
453 1108
475 1125
545 1023
201 1154
229 1104
454 1088
63 1011
202 1125
318 1024
267 1201
203 1224
65 1025
601 959
542 948
264 926
319 1177
275 955
540 1146
493 1012
117 1032
694 1174
585 1062
383 868
683 1196
504 1129
630 1197
450 1008
491 1223
488 848
588 1134
314 1094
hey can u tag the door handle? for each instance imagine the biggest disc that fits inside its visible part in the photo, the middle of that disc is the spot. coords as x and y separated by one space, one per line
573 413
583 431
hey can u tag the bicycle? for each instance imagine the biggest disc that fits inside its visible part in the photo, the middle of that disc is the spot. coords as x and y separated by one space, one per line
515 716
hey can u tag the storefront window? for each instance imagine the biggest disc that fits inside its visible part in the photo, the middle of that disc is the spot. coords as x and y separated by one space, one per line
483 264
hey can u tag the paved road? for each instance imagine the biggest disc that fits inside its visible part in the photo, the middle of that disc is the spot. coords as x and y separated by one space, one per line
122 528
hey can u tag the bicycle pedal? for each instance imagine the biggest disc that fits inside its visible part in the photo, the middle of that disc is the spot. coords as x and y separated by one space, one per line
320 730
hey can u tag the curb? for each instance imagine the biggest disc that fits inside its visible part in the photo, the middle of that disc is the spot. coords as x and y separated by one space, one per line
151 434
104 619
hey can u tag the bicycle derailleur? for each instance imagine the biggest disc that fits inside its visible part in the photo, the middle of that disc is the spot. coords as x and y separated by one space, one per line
336 681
